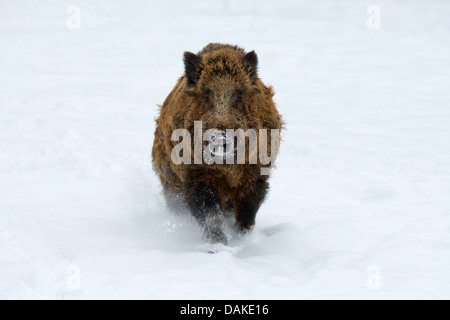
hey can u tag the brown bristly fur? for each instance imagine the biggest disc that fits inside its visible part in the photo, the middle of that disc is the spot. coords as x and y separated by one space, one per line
221 88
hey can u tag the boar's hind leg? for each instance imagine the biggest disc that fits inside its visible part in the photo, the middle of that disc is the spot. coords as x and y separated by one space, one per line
205 208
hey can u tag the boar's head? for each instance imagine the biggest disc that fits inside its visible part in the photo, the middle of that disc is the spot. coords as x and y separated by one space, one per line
222 80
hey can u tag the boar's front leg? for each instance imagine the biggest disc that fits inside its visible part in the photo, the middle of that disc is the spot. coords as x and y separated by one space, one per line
204 206
247 203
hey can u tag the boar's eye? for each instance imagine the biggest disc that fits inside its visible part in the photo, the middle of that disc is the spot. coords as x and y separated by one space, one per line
206 95
238 99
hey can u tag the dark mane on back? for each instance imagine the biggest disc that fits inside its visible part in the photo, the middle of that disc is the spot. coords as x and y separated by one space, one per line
210 48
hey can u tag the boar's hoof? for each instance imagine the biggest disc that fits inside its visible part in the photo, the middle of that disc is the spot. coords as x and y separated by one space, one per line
244 230
212 232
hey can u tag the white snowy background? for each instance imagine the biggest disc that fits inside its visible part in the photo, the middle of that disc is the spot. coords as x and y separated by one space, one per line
359 206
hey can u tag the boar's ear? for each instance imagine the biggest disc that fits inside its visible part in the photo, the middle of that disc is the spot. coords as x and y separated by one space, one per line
191 67
251 60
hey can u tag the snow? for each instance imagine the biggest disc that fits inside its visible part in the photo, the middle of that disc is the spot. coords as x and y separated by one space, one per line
359 206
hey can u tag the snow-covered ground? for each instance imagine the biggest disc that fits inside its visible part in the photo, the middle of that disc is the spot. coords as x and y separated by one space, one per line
360 202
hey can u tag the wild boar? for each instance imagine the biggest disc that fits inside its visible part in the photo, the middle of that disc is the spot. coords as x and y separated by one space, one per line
219 90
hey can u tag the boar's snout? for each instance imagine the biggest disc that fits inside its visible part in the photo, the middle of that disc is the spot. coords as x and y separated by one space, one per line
220 144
